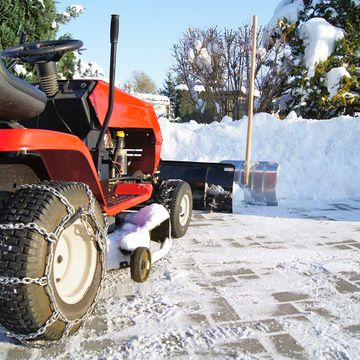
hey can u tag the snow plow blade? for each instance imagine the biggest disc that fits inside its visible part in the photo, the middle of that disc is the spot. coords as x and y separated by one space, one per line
262 181
211 183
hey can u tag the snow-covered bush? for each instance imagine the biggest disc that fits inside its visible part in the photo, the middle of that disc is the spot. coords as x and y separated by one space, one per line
324 63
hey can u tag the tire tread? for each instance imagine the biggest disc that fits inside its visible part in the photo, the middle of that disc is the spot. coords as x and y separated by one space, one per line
19 250
168 196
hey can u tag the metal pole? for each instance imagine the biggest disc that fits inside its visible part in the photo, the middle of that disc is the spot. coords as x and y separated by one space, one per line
251 104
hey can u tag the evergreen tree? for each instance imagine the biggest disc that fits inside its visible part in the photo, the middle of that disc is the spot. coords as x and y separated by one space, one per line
169 90
187 110
34 18
309 95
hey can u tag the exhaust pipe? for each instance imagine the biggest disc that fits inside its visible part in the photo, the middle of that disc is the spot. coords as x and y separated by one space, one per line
114 34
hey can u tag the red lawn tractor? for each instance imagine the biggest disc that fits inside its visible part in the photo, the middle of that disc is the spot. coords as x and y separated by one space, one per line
73 155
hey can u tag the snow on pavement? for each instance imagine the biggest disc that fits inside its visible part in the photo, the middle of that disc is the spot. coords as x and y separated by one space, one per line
280 282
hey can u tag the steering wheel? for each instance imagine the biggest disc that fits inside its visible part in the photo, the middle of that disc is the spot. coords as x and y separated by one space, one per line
44 54
42 51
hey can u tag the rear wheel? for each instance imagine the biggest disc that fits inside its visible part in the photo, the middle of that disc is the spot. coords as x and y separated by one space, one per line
52 248
176 196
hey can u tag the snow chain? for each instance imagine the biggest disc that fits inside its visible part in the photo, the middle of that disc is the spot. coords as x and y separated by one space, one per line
99 236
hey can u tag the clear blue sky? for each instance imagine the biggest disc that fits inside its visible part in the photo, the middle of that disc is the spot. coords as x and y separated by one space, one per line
149 28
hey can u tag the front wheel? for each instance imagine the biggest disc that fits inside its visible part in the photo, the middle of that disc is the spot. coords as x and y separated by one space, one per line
140 264
52 249
176 196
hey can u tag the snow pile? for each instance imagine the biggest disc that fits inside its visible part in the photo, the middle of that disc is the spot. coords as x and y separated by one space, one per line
135 233
318 159
333 78
319 38
287 9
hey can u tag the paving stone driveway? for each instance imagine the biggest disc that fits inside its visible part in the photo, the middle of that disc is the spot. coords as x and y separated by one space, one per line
237 286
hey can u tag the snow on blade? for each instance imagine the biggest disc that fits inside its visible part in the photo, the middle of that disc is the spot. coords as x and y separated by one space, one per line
319 38
134 233
216 190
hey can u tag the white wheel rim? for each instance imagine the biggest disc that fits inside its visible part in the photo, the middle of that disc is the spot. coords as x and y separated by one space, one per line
184 212
74 263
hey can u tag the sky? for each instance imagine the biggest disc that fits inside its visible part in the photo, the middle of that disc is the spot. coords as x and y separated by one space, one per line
150 28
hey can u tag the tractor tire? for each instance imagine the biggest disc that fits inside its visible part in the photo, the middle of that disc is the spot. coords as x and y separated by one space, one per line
73 262
176 196
140 264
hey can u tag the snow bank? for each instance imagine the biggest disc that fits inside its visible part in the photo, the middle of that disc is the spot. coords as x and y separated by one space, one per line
318 159
319 38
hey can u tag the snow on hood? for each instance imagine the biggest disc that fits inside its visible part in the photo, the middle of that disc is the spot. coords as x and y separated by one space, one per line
319 38
317 158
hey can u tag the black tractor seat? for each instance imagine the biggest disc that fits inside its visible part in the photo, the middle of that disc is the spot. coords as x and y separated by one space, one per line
18 99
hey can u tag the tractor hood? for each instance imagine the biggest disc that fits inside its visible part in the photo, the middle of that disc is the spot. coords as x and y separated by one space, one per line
129 112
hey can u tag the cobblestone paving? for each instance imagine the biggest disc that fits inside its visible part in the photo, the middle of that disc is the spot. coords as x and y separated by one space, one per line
237 286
